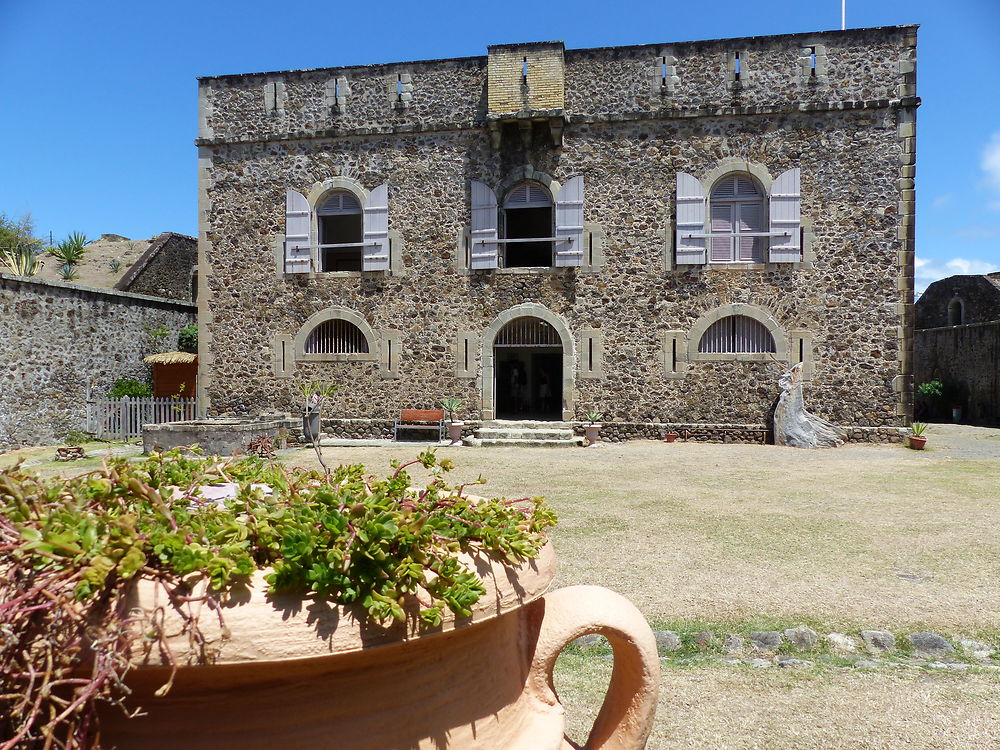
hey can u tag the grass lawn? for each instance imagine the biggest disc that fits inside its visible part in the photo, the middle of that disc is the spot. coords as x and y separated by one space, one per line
733 538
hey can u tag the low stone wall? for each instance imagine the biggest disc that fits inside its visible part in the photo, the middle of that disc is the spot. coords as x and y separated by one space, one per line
615 432
221 437
58 341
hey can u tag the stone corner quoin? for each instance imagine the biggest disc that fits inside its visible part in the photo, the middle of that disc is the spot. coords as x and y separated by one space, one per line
673 225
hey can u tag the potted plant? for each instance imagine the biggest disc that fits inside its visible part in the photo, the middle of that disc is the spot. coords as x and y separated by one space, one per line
455 427
291 606
670 436
917 441
592 428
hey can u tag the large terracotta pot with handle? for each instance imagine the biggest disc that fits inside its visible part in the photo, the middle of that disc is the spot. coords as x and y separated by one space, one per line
298 673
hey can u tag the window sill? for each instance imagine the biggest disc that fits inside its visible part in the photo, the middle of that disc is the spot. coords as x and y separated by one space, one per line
360 357
735 357
739 266
526 270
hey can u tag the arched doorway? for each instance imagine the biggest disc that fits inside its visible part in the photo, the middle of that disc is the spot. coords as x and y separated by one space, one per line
528 370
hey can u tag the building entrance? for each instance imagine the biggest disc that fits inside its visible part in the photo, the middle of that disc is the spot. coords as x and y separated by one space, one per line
527 355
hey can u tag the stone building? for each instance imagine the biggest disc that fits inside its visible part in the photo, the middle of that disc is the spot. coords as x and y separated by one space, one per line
166 269
957 341
654 232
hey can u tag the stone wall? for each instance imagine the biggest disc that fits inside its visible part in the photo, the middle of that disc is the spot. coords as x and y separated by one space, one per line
58 340
977 299
165 270
846 307
965 359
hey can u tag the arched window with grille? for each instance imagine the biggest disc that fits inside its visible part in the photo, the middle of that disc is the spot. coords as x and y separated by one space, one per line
736 334
527 226
336 336
738 220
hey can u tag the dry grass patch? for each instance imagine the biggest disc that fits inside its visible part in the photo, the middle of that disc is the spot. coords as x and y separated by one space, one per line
863 536
744 708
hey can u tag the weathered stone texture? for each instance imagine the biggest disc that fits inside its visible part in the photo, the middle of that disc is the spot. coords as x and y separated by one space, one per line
977 298
846 295
964 358
165 270
60 339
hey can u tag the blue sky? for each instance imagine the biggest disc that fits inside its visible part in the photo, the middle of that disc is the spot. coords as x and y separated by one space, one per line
99 99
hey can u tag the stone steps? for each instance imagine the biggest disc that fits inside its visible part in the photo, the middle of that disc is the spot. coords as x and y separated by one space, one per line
524 434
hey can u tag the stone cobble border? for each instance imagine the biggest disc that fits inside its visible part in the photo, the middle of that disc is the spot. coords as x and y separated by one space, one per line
802 646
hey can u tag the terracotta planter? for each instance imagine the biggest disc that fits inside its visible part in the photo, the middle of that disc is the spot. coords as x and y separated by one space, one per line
670 437
455 432
306 674
593 432
916 442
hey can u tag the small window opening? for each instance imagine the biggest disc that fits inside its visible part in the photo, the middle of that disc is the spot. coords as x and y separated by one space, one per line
389 353
663 71
590 249
956 312
284 365
527 226
336 337
736 334
812 62
802 350
465 346
736 66
341 230
673 356
399 87
524 71
590 355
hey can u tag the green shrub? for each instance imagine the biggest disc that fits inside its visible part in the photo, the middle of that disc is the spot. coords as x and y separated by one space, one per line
70 251
187 339
931 389
130 387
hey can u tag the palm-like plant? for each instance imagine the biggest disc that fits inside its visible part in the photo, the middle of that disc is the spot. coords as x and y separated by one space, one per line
71 250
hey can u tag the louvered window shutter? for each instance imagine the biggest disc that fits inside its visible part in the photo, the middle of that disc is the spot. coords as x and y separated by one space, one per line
786 219
690 219
569 223
751 220
722 223
297 219
375 253
484 226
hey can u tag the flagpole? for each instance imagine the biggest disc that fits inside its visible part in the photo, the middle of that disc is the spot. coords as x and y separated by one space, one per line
843 14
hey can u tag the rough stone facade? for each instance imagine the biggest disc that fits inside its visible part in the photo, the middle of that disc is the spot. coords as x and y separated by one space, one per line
838 106
957 341
61 341
165 269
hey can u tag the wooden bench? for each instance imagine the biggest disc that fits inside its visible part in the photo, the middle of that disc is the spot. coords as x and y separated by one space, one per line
420 419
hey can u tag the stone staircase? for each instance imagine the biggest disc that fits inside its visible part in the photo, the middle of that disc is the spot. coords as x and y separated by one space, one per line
525 433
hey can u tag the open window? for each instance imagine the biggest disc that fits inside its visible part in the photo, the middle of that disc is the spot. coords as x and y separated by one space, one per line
738 234
339 219
527 226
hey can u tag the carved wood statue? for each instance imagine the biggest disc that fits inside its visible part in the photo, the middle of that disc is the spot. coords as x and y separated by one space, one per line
795 426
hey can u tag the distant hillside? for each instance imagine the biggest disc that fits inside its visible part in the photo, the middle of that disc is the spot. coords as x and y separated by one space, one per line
95 268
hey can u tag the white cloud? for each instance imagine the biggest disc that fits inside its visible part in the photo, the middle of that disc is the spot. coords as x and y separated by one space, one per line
990 164
941 201
928 270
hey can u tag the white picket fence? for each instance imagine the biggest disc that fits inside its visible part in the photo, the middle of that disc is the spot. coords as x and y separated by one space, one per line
123 418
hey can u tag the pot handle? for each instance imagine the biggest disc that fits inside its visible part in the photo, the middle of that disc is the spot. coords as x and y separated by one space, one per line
626 717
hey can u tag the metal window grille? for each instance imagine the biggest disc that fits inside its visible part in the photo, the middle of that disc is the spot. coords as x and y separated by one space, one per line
736 334
527 331
336 337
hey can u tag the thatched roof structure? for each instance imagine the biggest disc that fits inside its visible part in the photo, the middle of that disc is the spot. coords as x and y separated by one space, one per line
170 358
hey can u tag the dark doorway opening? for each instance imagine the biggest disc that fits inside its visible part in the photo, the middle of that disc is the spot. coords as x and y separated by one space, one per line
528 370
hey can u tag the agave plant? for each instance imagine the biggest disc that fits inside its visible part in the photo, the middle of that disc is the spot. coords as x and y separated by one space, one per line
71 250
67 272
22 261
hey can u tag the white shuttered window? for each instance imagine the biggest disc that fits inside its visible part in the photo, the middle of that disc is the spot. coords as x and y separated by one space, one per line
738 234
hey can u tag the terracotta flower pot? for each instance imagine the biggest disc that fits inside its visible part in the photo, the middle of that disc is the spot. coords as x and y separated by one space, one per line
455 432
298 673
916 442
670 437
593 432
